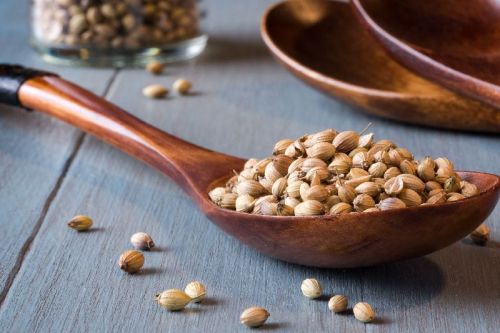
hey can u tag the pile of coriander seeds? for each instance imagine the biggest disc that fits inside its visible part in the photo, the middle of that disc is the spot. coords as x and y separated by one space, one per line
332 172
114 24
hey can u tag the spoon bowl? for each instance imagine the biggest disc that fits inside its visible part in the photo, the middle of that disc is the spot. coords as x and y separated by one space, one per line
453 42
350 240
322 43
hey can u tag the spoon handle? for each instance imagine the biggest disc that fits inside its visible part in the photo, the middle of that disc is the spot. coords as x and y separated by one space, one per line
191 166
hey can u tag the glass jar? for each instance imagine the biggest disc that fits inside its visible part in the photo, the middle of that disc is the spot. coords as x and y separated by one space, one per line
117 32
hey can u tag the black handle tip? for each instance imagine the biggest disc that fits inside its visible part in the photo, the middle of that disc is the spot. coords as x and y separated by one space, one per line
12 78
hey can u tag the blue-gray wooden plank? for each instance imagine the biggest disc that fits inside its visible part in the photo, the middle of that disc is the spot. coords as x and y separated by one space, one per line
70 281
33 148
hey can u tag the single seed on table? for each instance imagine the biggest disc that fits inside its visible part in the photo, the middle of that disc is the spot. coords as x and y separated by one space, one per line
196 290
142 241
364 312
173 299
311 288
338 303
155 67
80 223
182 86
131 261
481 235
155 91
254 316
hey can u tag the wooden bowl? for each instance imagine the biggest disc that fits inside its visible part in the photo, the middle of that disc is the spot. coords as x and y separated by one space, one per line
321 43
453 42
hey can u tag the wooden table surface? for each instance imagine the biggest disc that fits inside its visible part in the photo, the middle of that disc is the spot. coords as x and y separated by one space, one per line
53 279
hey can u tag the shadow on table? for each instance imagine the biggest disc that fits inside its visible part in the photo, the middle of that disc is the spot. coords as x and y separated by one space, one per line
227 49
463 270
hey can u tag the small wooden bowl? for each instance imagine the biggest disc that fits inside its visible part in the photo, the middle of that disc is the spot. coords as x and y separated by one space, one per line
322 43
453 42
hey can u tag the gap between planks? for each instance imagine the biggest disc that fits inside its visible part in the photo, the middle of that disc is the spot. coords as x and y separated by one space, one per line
48 203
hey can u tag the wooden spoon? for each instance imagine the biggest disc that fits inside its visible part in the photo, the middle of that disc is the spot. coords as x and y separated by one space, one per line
453 42
322 43
351 240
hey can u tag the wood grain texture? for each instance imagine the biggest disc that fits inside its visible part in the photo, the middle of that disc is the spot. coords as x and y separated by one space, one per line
244 103
322 43
34 150
454 43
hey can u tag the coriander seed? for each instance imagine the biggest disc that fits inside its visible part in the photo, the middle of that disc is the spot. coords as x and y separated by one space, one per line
155 91
196 290
338 303
142 241
311 288
182 86
254 316
173 299
155 67
364 312
80 223
131 261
